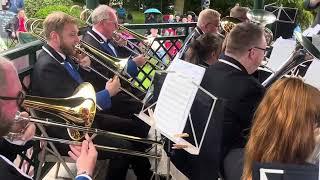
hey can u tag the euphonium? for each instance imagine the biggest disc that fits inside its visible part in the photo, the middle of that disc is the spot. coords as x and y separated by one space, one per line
79 109
228 23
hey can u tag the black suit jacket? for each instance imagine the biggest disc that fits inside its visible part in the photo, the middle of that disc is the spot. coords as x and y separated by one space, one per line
123 105
9 172
51 79
239 94
242 93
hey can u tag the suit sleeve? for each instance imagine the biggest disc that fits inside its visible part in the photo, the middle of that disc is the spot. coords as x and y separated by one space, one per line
52 81
103 99
132 68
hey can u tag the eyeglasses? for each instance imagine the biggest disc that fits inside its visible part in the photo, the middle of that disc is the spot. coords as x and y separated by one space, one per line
19 98
262 49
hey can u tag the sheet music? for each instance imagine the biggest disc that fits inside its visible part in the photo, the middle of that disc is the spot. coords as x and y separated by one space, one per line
176 97
282 49
316 41
311 31
312 76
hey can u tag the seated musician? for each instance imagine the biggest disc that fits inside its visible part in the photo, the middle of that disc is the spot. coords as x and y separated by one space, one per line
230 80
55 75
10 102
284 129
208 22
240 13
204 50
100 36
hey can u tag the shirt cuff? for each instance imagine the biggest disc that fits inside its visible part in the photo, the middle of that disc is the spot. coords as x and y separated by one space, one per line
83 176
103 99
132 68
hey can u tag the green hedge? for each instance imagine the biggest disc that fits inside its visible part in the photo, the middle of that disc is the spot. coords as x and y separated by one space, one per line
33 6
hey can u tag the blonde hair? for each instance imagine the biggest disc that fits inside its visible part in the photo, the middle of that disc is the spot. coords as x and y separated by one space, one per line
207 15
284 124
56 22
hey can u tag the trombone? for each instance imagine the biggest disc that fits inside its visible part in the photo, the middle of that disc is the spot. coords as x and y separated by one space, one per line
78 111
119 64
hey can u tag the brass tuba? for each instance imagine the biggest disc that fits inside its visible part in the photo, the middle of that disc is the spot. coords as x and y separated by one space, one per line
79 109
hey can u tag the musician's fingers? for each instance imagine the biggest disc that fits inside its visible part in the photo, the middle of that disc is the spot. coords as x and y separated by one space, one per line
73 156
76 149
179 146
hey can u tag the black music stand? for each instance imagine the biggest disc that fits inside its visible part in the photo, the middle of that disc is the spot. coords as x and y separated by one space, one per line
286 20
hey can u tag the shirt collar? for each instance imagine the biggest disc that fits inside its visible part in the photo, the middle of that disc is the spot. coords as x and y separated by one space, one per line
62 55
235 62
99 34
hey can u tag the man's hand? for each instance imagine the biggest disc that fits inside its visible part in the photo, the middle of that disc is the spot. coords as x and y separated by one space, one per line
85 156
140 60
84 61
113 86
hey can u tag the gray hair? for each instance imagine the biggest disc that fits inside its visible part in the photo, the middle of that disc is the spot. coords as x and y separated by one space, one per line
102 12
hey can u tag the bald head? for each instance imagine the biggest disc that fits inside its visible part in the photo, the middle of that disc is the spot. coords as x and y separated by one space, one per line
6 66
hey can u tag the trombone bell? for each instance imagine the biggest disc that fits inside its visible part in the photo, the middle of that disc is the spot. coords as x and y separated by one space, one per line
79 109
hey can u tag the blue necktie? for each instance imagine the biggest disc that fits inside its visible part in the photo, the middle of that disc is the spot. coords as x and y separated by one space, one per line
107 48
72 70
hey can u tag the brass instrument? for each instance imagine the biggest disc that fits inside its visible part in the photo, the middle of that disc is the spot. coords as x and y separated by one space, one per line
106 60
227 23
78 112
263 18
297 57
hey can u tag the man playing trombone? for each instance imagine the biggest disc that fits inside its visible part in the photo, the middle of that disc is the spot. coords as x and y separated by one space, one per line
10 101
56 76
103 36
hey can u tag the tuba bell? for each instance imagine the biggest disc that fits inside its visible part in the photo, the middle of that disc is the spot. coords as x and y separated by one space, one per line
79 109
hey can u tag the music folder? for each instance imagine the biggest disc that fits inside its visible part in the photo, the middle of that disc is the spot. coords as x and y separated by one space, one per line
172 109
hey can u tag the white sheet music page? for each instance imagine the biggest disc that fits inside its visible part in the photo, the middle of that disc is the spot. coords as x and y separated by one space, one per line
282 49
176 97
312 76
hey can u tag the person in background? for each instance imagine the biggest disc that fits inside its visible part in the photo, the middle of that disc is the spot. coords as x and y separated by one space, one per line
240 13
190 18
121 12
177 18
313 5
15 5
17 24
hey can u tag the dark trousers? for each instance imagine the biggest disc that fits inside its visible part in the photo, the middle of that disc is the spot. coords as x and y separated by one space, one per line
119 163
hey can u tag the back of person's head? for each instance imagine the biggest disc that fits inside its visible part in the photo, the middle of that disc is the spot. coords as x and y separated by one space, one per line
56 22
204 48
283 125
239 12
100 13
243 37
208 15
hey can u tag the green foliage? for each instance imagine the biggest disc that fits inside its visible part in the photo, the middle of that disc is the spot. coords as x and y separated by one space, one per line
33 6
43 13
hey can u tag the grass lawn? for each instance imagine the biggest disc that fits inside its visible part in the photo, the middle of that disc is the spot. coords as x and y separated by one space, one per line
138 17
